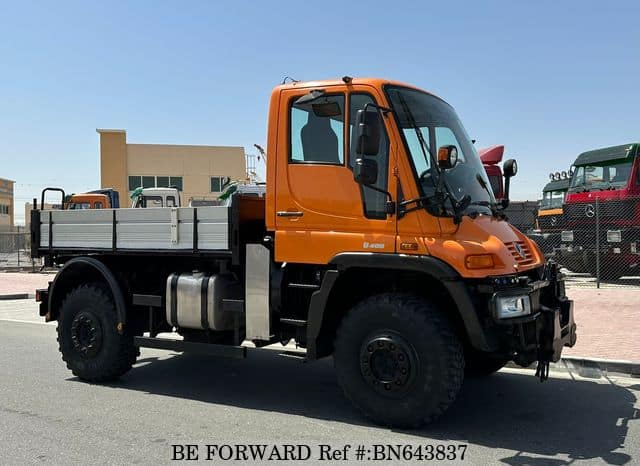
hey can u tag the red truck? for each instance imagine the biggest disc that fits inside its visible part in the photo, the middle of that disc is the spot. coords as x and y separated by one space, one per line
521 214
602 213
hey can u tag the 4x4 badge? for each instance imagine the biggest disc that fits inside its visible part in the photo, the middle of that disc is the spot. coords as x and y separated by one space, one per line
589 211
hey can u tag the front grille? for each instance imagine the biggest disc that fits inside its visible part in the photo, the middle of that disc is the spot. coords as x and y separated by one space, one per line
549 223
516 247
608 210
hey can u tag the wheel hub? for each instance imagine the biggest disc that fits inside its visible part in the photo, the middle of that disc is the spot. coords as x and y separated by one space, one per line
86 334
387 363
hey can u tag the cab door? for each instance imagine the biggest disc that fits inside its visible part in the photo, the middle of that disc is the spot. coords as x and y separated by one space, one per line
320 210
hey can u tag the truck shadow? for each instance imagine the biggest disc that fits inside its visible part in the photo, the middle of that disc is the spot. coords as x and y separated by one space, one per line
575 419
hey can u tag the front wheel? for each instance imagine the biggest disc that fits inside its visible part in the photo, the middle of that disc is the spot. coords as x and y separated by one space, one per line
89 341
398 360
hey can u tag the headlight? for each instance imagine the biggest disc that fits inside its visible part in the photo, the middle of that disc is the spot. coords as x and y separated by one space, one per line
506 307
567 236
614 236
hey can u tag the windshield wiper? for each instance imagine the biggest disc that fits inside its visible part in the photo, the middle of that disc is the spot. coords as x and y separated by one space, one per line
490 204
440 197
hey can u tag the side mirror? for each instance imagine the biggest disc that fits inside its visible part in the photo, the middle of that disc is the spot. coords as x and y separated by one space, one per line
447 157
368 131
510 168
365 171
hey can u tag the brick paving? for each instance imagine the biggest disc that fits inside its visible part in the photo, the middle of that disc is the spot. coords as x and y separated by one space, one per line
608 319
608 323
11 283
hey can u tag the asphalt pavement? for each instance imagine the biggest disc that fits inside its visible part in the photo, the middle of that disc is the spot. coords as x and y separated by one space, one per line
48 415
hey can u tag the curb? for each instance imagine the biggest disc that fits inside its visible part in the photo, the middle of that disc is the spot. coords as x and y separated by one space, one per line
590 367
6 297
618 366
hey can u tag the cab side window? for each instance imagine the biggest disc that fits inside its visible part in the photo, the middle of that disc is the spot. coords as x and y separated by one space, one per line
375 202
317 131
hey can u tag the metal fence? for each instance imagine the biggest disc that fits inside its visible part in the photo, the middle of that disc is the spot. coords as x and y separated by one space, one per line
597 241
15 250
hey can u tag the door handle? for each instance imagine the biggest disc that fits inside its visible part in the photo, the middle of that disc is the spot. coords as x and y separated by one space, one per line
289 213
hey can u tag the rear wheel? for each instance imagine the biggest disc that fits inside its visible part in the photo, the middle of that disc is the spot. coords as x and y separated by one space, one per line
398 360
88 338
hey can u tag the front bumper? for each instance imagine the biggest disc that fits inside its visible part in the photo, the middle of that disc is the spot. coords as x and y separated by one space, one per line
541 335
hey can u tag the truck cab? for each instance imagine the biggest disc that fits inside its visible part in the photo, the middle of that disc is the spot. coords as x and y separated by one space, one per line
491 158
602 212
520 214
549 220
155 197
87 201
378 242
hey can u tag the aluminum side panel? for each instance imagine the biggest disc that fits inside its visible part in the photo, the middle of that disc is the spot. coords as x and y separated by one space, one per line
257 316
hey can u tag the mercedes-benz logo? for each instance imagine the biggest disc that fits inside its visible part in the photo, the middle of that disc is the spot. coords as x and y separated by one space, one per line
519 250
589 211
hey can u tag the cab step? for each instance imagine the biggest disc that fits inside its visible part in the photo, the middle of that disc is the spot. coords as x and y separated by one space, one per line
294 322
294 355
304 286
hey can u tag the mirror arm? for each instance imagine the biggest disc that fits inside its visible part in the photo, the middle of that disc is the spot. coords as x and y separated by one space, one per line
505 200
391 206
383 110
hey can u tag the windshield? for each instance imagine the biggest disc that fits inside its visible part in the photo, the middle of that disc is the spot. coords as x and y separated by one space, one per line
552 199
602 176
437 125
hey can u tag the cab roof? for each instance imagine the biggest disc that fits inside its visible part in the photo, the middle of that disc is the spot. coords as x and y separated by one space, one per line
557 185
607 154
375 82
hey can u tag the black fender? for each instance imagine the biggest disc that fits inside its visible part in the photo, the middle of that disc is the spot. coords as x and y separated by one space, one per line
436 268
67 278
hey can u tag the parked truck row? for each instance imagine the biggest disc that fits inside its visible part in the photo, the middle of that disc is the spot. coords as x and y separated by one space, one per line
600 222
378 242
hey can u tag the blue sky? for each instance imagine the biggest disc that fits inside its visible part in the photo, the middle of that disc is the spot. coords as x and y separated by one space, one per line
548 79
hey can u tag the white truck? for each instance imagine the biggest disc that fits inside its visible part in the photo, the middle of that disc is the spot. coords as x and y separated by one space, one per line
155 197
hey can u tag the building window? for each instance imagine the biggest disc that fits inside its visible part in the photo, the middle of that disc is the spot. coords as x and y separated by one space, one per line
176 182
134 182
218 183
148 181
4 209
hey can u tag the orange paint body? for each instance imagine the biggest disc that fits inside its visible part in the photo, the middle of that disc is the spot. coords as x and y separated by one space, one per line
89 201
316 211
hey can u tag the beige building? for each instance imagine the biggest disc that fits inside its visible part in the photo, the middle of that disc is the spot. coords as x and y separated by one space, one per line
197 171
6 204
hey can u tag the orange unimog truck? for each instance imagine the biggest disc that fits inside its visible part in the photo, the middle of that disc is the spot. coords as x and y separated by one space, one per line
378 242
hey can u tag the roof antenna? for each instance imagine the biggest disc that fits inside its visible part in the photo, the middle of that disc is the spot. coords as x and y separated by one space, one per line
284 81
347 79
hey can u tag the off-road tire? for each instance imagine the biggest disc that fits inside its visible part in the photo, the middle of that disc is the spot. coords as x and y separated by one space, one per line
421 328
112 353
481 364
